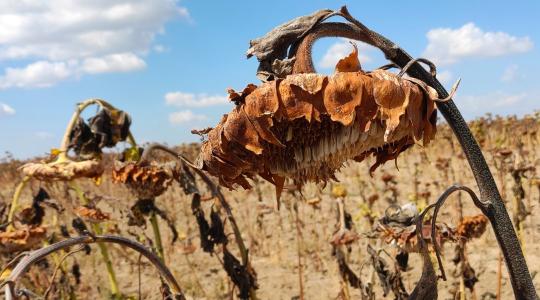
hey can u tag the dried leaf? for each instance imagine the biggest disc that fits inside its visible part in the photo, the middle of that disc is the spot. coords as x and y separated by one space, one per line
350 63
92 214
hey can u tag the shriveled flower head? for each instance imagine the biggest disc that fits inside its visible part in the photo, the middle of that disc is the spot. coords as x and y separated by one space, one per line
472 227
63 170
21 239
306 126
146 180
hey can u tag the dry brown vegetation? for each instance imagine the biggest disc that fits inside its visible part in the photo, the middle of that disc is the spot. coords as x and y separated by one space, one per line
298 248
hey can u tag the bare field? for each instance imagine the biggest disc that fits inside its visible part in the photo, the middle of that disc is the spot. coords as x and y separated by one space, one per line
290 249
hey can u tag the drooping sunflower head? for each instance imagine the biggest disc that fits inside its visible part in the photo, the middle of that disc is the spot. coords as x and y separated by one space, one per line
306 126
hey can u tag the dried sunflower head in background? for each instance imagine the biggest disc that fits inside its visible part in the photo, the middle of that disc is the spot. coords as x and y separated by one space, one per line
472 227
21 239
306 126
146 180
63 170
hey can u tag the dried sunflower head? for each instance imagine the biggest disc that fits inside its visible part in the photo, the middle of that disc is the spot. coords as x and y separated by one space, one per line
63 170
472 227
305 126
21 239
146 180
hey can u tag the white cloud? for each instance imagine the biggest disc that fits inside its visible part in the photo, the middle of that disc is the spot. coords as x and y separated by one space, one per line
448 46
38 74
100 36
185 116
122 62
342 49
182 99
496 102
6 110
510 73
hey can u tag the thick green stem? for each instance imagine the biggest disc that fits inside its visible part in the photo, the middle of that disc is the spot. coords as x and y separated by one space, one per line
157 236
115 291
15 201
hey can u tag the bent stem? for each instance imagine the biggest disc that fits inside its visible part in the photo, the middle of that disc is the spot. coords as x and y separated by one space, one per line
15 202
24 265
216 192
115 291
493 206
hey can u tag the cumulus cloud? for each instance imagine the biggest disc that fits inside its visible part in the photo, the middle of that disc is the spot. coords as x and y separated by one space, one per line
89 36
122 62
182 99
186 116
448 46
498 102
340 50
38 74
6 110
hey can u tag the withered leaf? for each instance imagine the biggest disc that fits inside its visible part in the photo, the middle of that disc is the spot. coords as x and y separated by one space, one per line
350 63
239 274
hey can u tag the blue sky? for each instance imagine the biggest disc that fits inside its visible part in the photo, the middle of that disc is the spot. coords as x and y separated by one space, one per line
169 63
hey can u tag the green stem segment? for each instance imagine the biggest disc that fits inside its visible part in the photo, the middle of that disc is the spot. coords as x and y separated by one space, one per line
157 236
115 291
15 201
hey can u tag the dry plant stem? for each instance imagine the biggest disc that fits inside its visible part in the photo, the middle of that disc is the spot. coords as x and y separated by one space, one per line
157 236
492 204
214 189
15 201
115 291
59 267
24 265
438 206
216 192
299 246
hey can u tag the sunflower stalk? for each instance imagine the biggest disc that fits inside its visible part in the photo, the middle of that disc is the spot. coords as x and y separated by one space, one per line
115 290
15 202
216 192
492 204
157 235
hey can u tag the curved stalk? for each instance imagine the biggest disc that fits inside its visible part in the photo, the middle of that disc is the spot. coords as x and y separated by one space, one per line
24 265
15 202
494 207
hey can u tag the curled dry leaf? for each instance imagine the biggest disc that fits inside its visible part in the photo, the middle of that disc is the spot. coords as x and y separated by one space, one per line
21 239
63 170
146 180
472 227
92 214
306 126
